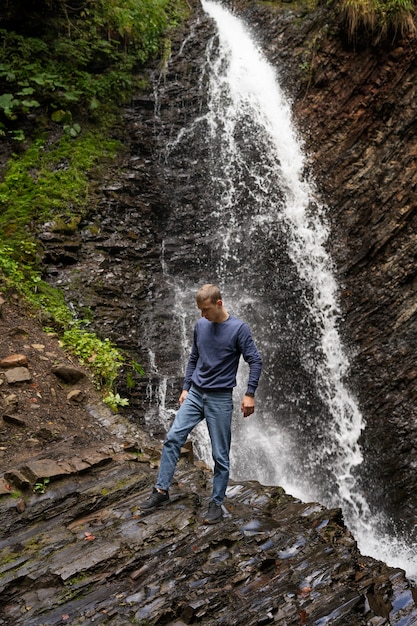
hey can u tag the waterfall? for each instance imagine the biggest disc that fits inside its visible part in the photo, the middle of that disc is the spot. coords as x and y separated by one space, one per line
262 238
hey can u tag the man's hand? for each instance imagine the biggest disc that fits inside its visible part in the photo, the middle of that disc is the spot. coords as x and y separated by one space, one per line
248 406
182 396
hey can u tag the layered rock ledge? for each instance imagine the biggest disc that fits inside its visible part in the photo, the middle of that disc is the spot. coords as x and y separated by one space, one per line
80 551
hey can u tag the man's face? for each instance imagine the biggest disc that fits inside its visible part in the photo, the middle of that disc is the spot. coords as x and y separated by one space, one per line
210 310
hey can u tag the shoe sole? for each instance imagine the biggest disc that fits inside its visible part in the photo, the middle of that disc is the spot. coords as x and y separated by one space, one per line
213 521
156 506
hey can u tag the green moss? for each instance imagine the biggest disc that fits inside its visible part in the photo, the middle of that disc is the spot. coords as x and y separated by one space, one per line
45 183
51 183
14 494
70 75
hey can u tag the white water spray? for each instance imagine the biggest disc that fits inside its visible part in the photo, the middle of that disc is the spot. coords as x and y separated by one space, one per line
157 396
251 86
244 86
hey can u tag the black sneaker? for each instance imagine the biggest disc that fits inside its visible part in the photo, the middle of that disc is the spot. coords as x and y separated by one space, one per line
214 513
155 499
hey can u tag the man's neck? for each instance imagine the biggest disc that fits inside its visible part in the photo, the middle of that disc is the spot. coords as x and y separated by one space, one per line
223 316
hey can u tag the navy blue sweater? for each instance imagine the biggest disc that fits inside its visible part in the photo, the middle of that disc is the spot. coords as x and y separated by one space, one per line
215 355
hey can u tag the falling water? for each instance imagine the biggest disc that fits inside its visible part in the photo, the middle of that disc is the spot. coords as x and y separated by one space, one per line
266 247
243 86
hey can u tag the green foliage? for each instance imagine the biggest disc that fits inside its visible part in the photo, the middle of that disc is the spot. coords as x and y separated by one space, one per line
135 24
137 368
114 400
100 355
103 358
79 64
44 183
22 277
79 61
47 180
52 184
41 485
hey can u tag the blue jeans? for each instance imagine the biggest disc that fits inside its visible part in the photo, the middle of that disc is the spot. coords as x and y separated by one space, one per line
216 407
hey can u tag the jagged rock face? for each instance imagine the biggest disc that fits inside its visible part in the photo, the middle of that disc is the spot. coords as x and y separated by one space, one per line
355 110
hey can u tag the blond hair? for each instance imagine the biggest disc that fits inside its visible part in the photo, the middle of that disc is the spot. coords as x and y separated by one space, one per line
208 291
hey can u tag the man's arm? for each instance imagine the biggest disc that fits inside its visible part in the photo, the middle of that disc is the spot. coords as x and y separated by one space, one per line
253 358
191 365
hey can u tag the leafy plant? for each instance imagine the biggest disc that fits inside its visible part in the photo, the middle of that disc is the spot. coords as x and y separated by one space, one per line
99 354
36 188
45 183
41 485
81 59
114 401
79 64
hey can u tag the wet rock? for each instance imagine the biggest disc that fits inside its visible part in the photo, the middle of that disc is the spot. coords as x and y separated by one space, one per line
91 554
68 374
38 469
83 551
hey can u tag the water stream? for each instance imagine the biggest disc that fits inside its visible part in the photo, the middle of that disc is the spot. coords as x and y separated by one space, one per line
263 239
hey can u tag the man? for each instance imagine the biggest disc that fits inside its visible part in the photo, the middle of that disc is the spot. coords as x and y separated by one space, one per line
219 341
